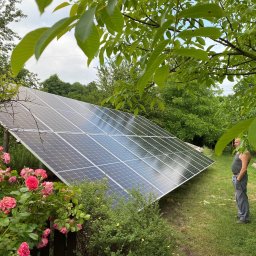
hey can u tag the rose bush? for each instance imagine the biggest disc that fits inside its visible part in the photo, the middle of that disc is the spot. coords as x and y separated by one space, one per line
27 202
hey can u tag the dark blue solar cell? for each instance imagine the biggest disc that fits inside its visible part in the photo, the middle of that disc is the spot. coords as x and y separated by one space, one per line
160 164
128 125
157 178
81 122
182 169
90 148
114 147
129 179
145 145
134 147
54 120
53 151
16 116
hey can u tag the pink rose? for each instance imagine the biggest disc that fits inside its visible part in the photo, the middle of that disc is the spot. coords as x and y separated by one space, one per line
1 148
55 226
32 183
6 158
26 172
23 250
41 173
12 179
46 233
48 188
42 243
7 203
64 230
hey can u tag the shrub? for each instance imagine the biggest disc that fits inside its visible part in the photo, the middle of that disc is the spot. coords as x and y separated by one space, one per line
133 227
27 202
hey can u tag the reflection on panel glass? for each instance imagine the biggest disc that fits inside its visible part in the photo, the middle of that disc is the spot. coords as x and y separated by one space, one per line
16 116
81 122
133 123
113 122
114 147
181 169
138 122
54 120
185 163
159 164
53 151
128 179
199 157
128 123
167 145
157 129
159 180
93 174
135 148
148 147
89 148
186 157
80 141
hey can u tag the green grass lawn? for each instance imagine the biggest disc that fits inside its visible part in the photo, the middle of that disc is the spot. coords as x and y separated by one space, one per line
202 213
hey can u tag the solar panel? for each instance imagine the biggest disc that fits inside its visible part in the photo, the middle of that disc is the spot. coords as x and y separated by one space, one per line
79 141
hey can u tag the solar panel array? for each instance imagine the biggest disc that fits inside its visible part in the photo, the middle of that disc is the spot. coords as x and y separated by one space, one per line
80 141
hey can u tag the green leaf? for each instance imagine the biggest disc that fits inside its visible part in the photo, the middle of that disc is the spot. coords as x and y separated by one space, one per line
210 32
75 200
25 49
85 24
113 22
24 198
24 189
136 111
252 134
156 58
87 217
191 52
81 6
50 34
200 40
230 78
17 193
42 4
24 214
161 75
60 6
87 35
33 236
111 6
101 56
73 10
4 222
202 11
232 133
159 35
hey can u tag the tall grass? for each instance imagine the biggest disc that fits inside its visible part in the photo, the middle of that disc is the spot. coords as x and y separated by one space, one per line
21 157
203 214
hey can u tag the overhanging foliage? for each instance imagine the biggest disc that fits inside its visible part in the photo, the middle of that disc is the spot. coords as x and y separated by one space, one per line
206 41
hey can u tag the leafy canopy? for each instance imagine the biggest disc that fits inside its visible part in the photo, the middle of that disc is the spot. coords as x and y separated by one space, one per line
184 40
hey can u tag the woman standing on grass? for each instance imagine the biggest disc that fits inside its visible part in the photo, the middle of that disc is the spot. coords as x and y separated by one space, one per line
240 178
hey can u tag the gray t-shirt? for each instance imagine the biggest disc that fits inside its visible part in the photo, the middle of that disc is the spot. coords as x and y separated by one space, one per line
236 165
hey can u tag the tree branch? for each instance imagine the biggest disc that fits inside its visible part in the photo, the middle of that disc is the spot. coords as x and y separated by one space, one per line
140 21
